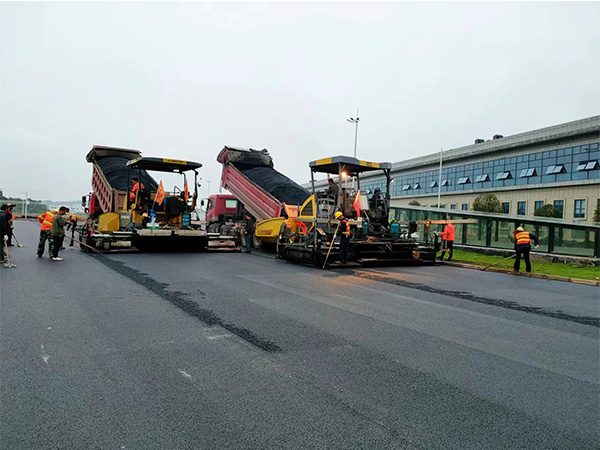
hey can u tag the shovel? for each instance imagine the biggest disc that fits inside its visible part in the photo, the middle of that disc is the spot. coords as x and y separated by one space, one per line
502 260
85 245
18 244
331 245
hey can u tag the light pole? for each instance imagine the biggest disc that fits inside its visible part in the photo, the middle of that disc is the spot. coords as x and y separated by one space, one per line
25 202
355 121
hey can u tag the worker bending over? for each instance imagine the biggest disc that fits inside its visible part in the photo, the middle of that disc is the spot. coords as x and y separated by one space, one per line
523 247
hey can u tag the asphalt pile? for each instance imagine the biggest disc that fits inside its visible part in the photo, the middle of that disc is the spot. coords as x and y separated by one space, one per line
276 184
115 171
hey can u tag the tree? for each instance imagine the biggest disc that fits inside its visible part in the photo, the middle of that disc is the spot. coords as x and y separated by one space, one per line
596 217
414 203
2 197
548 211
487 203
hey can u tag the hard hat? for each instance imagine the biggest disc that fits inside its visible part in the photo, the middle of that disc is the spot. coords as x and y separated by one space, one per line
9 204
520 229
338 214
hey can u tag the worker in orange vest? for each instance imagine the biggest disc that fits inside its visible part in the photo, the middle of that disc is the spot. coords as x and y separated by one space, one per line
523 247
136 186
448 235
46 232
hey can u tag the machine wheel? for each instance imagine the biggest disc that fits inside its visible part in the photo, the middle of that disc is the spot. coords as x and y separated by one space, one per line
256 242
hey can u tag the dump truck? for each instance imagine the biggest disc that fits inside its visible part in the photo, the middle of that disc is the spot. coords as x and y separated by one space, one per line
263 192
374 238
144 219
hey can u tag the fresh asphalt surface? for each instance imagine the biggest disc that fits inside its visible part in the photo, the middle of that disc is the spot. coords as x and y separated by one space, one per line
237 351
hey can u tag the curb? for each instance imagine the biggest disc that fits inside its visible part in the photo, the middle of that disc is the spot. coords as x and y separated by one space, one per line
524 274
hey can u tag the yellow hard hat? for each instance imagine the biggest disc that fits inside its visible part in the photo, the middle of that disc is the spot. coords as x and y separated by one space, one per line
338 214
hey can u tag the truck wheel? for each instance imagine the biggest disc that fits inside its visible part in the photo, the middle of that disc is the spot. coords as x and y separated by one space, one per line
256 242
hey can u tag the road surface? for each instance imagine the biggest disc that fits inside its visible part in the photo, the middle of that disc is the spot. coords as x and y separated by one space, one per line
239 351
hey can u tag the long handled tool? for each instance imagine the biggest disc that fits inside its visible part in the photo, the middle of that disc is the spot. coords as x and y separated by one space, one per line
8 264
495 264
331 245
18 244
85 245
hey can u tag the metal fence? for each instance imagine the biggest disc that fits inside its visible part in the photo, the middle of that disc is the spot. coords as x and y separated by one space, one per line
496 230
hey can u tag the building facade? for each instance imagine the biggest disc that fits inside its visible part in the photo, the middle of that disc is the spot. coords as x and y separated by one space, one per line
558 165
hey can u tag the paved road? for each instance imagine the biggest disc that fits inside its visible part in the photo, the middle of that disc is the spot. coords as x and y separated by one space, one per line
186 351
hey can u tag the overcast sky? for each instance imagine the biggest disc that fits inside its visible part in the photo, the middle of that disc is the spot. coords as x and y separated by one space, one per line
182 80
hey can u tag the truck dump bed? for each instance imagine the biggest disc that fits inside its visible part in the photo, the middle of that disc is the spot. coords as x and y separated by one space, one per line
249 175
109 177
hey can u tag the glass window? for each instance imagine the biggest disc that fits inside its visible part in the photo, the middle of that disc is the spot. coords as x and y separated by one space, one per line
592 165
417 186
230 204
465 206
464 180
521 208
406 187
559 204
538 205
526 173
433 184
504 176
574 241
558 168
579 209
453 206
482 178
506 207
445 183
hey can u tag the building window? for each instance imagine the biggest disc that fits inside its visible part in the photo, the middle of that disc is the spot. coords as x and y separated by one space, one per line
504 176
445 183
587 165
453 206
433 184
417 186
506 207
559 168
482 178
406 187
526 173
538 205
559 204
464 180
521 208
579 209
465 206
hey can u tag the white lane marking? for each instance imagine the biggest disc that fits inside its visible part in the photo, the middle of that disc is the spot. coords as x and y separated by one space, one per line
185 374
219 336
49 328
45 356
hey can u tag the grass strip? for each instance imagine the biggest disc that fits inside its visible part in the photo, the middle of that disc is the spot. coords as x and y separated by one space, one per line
546 268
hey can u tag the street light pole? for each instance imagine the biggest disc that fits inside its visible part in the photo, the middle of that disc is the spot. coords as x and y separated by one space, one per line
355 121
25 202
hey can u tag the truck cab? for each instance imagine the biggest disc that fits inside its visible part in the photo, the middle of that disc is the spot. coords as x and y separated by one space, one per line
221 209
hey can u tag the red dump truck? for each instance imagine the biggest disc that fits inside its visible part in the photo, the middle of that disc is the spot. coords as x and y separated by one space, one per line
263 192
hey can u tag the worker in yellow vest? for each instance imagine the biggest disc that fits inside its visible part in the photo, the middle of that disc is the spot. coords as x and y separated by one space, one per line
523 247
46 232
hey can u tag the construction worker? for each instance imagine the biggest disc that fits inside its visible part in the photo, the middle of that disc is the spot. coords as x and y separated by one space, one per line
4 229
523 247
71 226
344 229
136 187
7 208
58 231
285 230
249 232
46 232
448 235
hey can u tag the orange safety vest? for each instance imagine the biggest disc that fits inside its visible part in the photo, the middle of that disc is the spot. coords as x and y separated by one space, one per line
449 233
523 238
134 189
46 220
302 226
73 216
346 222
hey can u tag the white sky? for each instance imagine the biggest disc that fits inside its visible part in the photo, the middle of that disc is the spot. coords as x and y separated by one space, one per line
181 80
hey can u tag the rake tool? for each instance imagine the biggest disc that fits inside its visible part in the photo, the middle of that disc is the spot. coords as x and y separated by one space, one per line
18 243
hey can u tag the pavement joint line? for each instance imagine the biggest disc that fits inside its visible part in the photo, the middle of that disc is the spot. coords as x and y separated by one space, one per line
180 300
592 321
